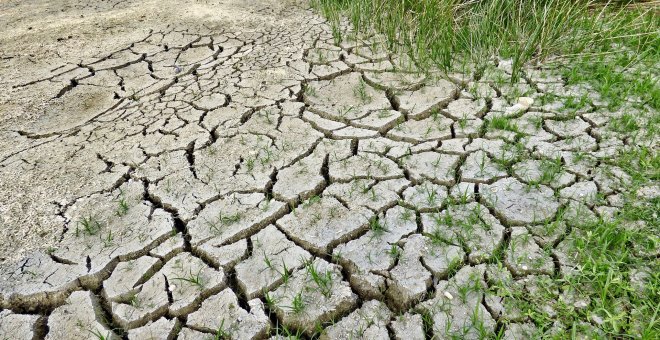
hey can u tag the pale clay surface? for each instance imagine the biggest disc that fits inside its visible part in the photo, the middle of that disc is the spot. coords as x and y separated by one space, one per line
173 169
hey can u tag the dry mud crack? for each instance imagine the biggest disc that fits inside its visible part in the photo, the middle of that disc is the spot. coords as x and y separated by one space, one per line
224 168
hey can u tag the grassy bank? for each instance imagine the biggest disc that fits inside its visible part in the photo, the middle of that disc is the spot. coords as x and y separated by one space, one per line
603 42
614 47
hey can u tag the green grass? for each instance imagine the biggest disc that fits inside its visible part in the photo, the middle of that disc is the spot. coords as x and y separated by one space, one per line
612 50
89 224
323 280
194 279
297 304
122 206
606 43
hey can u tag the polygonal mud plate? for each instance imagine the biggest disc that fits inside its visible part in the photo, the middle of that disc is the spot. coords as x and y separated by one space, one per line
314 294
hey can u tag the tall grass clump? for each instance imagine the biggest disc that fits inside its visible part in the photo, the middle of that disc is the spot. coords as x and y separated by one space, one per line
450 33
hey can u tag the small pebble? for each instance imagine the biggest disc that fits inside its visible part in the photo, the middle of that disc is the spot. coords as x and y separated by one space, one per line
526 102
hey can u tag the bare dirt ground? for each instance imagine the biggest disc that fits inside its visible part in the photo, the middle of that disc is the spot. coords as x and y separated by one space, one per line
207 168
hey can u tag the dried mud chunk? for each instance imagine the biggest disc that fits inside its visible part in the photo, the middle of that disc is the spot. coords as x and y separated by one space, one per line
496 148
456 309
546 172
577 214
126 276
376 251
509 299
581 192
580 143
211 101
189 334
354 133
429 129
322 56
79 318
156 168
38 279
421 261
408 327
170 247
567 128
369 194
344 97
314 294
368 322
301 180
394 80
364 166
612 179
502 297
147 304
224 117
463 192
420 103
103 228
432 166
479 168
322 124
425 196
222 311
454 146
181 192
568 252
549 233
323 222
464 128
273 258
155 330
380 120
519 204
185 277
471 225
379 66
234 217
222 255
18 326
525 257
466 109
386 147
190 281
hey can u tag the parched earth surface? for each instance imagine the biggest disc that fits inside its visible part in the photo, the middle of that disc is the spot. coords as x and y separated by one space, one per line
195 169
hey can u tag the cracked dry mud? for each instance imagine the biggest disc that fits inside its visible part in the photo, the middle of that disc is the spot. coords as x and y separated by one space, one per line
224 167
